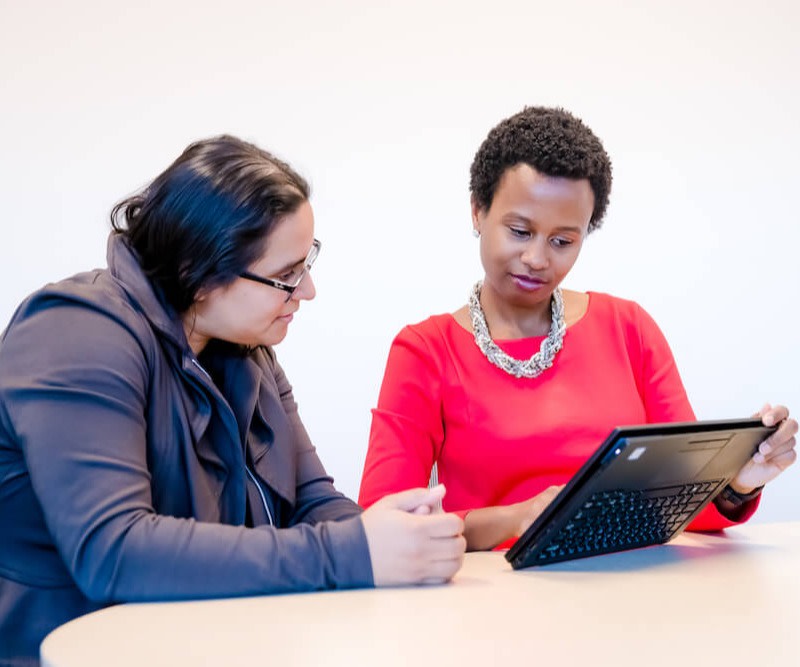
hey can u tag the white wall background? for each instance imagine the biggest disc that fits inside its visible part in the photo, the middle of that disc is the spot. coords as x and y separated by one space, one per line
382 105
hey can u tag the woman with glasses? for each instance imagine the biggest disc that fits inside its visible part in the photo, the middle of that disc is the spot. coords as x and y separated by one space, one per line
505 398
150 446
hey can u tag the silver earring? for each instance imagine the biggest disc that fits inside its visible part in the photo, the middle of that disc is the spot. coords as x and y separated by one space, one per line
476 233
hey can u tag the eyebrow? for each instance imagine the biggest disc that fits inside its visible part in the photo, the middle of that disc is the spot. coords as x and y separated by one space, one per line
284 268
512 217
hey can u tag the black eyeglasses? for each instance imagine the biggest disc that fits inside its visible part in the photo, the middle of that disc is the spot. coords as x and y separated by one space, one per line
293 277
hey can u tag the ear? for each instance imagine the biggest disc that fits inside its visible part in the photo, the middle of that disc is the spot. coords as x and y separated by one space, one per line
477 214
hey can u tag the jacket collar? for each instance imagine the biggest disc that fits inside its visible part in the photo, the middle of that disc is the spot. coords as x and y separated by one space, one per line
255 400
124 266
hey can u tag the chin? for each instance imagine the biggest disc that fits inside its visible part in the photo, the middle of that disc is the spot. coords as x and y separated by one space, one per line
527 299
269 341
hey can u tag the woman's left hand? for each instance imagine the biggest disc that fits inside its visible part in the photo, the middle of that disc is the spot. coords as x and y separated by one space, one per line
774 454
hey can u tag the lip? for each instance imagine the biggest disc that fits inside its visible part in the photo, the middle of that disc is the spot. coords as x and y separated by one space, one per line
528 283
287 318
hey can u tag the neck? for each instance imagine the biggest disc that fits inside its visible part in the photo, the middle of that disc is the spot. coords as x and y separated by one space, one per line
197 342
508 321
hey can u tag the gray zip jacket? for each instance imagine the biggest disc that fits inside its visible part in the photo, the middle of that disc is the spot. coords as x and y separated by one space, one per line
132 471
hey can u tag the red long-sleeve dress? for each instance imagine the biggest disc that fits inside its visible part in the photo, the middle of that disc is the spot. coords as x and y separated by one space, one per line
498 439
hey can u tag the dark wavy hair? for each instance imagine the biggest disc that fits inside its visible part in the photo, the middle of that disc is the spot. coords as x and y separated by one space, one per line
207 216
550 140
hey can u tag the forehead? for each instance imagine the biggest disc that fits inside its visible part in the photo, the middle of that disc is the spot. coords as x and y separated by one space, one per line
524 182
289 240
525 189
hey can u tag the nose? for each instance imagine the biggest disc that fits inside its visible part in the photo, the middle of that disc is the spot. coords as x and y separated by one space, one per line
306 290
536 254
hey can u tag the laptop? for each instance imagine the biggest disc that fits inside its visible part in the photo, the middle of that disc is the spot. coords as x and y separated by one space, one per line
642 486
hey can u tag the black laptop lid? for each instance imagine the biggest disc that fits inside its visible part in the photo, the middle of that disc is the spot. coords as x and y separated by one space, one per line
642 486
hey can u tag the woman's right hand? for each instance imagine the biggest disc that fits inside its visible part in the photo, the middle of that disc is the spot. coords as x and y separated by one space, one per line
412 543
529 510
488 527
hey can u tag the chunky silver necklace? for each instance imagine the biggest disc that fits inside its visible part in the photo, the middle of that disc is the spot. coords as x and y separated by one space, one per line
528 368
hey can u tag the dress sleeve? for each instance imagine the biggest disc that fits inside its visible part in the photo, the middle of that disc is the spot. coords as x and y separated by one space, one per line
74 390
407 429
658 379
665 400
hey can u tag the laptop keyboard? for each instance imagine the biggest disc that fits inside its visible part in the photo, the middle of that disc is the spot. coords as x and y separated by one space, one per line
617 520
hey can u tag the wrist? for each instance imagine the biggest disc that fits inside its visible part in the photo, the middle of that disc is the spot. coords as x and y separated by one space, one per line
518 518
736 496
486 527
743 490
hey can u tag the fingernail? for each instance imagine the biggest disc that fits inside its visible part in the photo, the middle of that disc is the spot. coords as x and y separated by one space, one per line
765 448
769 419
758 457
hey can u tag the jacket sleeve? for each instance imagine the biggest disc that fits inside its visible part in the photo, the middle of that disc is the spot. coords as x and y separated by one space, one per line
407 429
317 499
74 390
665 400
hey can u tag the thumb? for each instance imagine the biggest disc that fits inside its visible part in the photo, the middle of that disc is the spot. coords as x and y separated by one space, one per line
410 500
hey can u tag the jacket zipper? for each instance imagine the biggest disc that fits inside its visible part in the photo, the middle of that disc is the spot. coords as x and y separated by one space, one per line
261 493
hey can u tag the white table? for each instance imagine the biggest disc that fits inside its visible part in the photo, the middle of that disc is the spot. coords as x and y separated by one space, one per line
725 599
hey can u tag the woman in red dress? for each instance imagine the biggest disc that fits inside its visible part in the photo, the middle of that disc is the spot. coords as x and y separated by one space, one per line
505 398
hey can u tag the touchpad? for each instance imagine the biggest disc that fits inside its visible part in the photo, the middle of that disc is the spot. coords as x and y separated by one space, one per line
693 457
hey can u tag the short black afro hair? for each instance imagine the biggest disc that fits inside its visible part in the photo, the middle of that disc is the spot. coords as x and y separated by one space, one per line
550 140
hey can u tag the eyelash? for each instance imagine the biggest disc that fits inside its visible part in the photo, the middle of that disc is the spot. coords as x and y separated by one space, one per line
287 276
524 234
